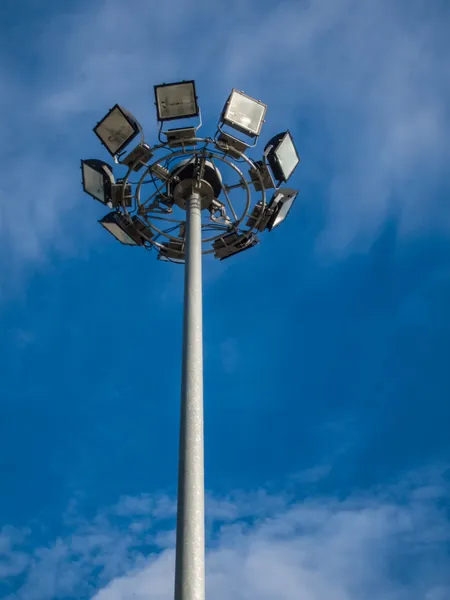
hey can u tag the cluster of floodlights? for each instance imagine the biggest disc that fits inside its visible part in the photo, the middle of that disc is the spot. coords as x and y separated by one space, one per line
241 117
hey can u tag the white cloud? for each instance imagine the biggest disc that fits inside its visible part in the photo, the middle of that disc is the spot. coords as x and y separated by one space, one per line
390 543
12 562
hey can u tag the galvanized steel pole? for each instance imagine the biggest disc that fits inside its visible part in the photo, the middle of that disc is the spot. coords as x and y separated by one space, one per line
190 545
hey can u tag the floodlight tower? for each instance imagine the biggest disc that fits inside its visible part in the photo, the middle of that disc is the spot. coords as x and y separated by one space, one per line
190 194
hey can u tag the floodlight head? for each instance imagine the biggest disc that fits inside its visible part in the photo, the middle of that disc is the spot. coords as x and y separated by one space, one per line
280 205
117 129
282 156
244 113
98 179
234 243
129 233
176 101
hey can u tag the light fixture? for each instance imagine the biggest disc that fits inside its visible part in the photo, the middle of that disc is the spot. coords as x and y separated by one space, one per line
234 243
183 136
138 157
280 206
244 113
117 129
232 145
97 179
176 101
282 156
266 176
172 251
134 233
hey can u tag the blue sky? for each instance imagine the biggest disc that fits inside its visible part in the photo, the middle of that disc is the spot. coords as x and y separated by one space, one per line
326 347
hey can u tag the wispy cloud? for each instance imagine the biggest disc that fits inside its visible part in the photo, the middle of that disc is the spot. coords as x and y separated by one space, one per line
373 80
390 543
364 87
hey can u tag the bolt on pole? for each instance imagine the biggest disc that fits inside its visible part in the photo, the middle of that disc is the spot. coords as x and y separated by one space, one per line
190 544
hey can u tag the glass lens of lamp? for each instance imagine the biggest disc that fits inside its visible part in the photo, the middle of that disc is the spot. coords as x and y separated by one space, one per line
176 101
284 210
93 183
119 234
245 113
115 130
287 156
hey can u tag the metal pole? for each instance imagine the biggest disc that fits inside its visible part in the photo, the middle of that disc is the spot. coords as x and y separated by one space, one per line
190 545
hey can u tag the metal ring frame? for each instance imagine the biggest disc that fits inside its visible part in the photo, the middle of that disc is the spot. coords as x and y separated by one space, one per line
207 149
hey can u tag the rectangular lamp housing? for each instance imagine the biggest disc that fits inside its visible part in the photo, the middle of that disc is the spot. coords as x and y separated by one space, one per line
176 101
98 179
282 156
280 205
129 234
244 113
117 129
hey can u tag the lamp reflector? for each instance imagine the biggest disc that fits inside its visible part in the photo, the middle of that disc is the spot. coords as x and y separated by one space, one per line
281 204
117 129
244 113
282 156
176 101
117 226
126 232
97 179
